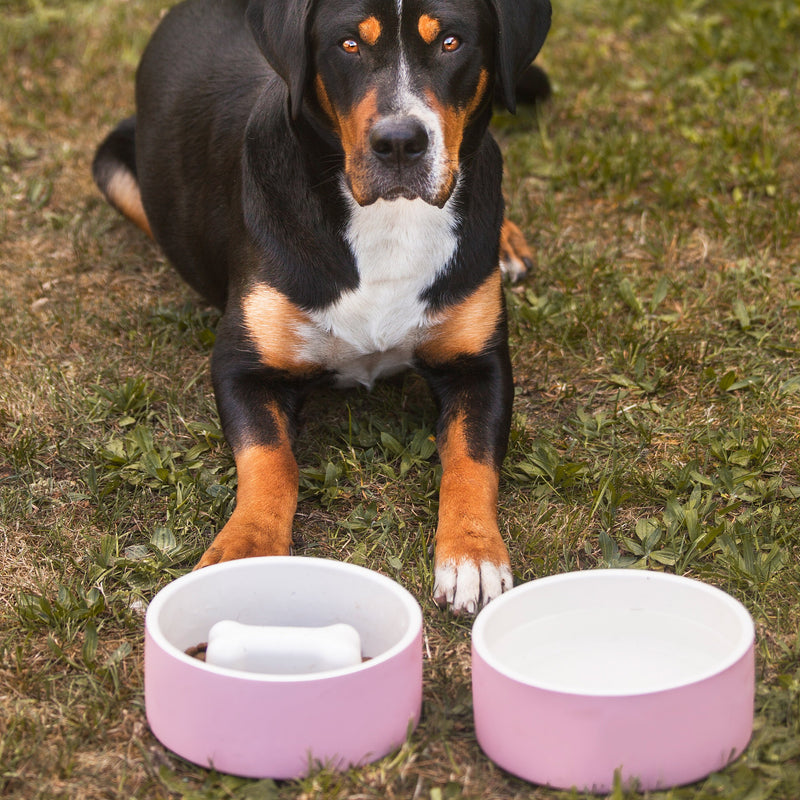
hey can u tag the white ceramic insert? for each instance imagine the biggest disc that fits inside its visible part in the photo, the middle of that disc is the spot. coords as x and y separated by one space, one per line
282 650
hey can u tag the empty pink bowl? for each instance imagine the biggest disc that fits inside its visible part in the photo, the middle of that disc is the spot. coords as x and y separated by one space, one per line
282 726
581 675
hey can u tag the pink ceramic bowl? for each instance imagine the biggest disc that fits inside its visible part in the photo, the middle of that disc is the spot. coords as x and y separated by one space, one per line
281 726
579 675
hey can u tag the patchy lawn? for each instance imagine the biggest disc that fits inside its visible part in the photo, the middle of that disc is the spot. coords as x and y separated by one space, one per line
656 419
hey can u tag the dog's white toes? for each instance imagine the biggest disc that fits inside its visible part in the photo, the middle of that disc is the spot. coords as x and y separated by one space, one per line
444 584
495 579
468 586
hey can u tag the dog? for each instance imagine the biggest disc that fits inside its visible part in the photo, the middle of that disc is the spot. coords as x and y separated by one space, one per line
322 171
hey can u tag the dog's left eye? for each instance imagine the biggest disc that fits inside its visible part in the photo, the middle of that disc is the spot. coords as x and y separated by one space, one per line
350 46
450 44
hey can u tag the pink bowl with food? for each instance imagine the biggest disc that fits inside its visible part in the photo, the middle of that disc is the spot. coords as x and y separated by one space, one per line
283 726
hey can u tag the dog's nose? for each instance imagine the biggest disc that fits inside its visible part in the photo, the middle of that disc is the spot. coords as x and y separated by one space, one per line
399 140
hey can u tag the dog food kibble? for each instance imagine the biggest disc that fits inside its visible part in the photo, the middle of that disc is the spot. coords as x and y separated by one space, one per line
198 651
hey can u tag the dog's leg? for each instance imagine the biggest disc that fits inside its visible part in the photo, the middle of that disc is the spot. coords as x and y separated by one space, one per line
515 255
266 497
258 406
468 368
471 561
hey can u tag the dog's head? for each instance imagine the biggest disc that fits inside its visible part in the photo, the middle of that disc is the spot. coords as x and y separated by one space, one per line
399 82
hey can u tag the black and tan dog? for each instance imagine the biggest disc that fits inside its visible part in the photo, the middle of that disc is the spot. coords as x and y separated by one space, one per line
322 171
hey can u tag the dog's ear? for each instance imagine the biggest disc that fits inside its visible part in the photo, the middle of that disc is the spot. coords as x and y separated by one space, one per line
522 27
279 28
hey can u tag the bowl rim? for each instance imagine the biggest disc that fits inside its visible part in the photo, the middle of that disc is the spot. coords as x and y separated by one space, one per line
163 596
481 649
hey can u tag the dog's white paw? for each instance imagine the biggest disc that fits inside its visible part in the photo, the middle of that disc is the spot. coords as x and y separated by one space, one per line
466 587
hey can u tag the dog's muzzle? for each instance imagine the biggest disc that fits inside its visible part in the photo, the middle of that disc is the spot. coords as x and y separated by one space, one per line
401 162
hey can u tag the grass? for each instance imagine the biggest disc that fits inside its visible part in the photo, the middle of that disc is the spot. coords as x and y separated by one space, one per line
656 417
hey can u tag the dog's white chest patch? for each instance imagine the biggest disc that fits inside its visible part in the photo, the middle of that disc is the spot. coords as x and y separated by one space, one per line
400 247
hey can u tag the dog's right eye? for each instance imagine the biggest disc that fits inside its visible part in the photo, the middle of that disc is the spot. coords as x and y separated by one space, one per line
451 44
350 46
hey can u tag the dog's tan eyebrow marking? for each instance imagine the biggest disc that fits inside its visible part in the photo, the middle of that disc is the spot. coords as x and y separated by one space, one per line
429 28
370 30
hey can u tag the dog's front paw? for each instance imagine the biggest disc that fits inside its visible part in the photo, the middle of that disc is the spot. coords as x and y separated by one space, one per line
466 586
241 539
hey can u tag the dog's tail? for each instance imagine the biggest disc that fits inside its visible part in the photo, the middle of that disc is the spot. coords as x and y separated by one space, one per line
533 86
114 172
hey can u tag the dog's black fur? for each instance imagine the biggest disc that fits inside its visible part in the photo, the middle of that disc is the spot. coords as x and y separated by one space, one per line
279 148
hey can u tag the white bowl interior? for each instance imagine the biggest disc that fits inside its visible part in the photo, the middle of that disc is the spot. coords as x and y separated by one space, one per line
612 632
290 591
